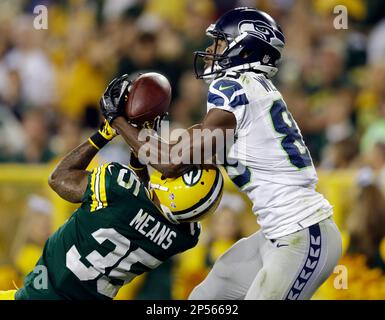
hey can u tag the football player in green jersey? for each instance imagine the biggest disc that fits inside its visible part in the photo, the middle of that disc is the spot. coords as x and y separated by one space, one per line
121 229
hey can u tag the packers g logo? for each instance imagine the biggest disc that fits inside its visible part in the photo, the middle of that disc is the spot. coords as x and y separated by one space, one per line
192 177
258 29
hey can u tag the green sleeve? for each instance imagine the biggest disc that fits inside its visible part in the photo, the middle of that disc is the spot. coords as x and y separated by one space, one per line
109 182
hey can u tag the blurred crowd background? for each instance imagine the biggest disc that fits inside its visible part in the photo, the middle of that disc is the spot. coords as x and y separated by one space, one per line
51 80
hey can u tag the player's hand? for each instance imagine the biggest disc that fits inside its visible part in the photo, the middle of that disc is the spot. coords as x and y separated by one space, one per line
113 97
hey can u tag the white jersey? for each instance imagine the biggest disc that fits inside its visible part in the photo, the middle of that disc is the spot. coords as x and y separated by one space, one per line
269 160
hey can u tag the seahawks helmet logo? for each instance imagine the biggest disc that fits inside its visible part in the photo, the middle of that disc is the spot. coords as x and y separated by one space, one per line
192 177
260 30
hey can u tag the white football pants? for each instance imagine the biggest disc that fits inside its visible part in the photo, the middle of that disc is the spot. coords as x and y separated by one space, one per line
291 267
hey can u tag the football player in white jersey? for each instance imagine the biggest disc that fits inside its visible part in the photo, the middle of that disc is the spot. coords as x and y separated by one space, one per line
298 244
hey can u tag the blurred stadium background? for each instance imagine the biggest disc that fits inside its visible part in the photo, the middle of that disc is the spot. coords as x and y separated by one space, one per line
50 83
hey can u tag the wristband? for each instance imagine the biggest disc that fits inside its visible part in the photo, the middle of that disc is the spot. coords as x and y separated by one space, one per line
98 141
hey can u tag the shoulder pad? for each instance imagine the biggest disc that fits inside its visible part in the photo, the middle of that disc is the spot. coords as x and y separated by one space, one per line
227 91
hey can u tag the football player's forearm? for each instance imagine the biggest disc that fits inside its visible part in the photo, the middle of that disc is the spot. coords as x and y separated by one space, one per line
140 169
143 175
153 146
78 158
129 133
194 146
69 179
175 166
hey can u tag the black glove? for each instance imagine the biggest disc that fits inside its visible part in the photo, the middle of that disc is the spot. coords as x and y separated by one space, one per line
113 97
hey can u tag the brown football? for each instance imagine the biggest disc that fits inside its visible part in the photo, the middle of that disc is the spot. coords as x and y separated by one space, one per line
149 97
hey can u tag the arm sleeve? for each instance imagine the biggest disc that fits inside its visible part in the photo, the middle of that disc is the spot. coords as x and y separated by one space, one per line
228 95
97 194
107 185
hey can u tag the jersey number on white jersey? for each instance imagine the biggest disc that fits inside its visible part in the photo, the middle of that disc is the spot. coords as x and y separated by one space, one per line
291 141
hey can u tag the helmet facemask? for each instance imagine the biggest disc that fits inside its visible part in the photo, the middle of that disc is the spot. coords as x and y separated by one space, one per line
210 72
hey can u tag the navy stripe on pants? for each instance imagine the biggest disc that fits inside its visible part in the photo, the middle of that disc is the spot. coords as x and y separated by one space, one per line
310 264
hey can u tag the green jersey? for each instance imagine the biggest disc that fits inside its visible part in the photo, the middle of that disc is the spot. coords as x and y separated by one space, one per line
116 234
